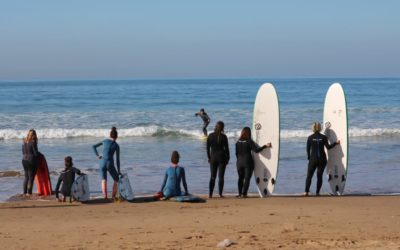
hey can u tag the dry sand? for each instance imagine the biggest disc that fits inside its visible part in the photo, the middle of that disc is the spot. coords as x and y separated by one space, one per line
273 223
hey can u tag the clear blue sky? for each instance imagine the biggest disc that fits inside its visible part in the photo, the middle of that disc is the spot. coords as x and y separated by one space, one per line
96 39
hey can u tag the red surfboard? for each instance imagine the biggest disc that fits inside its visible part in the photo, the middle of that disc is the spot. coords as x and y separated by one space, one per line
42 178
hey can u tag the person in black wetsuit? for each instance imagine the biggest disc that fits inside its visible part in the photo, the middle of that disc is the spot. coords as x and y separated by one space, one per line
30 161
218 157
316 156
67 177
244 162
206 120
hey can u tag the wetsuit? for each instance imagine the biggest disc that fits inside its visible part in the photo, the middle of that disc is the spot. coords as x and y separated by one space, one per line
67 177
29 162
245 163
172 182
107 161
206 121
316 158
218 156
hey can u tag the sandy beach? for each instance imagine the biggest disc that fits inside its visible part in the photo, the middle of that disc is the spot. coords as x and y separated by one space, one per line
349 222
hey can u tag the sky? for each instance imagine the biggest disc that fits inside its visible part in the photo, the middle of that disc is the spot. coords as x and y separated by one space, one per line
128 39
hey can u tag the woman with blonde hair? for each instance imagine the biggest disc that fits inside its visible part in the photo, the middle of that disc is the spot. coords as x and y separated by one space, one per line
316 156
30 156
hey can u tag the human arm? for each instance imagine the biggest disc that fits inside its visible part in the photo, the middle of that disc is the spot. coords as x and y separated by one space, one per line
329 146
58 186
226 147
308 148
256 148
208 148
77 171
184 182
35 150
164 182
95 146
118 162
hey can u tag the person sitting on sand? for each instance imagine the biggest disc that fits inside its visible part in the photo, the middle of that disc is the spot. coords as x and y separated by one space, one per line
174 175
206 120
218 157
30 160
67 178
244 162
316 156
110 146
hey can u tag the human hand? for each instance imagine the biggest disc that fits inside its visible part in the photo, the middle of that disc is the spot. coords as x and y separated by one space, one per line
338 142
99 157
269 145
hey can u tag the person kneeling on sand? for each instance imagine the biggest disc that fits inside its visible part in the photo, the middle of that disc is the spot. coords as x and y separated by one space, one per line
67 178
174 175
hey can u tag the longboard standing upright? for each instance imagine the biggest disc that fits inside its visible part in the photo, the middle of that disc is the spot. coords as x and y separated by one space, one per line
335 128
266 129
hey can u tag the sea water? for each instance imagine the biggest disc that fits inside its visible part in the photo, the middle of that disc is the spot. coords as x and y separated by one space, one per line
155 117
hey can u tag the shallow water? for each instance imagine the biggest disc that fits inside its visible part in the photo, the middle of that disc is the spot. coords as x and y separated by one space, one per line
155 117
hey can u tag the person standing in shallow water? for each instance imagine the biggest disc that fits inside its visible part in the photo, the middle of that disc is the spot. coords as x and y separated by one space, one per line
316 156
110 146
206 120
218 157
30 159
245 162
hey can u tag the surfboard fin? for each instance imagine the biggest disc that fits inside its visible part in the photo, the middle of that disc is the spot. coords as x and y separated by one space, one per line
329 177
272 181
343 178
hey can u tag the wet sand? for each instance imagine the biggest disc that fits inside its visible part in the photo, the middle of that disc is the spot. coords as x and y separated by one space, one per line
349 222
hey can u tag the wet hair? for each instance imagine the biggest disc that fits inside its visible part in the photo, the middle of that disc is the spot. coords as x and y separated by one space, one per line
114 133
175 157
31 136
202 110
316 127
219 127
245 134
68 162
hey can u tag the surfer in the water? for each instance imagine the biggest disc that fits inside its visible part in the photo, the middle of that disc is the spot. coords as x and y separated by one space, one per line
218 157
67 177
316 156
174 176
206 120
110 147
245 163
30 157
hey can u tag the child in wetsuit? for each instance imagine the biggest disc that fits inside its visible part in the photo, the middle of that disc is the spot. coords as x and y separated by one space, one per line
67 177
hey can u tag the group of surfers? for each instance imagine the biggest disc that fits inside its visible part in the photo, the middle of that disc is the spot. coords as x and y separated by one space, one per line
217 153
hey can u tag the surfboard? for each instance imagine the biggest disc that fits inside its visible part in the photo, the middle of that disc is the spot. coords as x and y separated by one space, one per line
42 177
336 128
266 129
80 188
124 188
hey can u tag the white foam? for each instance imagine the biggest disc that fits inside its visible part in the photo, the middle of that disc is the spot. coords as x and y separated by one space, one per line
153 130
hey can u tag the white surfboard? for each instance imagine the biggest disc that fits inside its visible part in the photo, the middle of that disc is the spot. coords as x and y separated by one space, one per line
80 188
266 129
335 128
124 188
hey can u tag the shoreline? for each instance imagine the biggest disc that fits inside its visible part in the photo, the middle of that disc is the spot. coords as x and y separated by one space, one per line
347 222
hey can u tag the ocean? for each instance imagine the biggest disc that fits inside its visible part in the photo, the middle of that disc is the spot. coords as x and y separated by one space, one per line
155 117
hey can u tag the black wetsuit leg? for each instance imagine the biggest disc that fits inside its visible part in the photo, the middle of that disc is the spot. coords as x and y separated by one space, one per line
320 172
30 172
248 172
312 166
213 171
241 173
205 128
221 177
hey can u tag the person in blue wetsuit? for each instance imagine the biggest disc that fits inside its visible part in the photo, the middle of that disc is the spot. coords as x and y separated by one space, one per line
316 156
110 147
174 176
245 163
